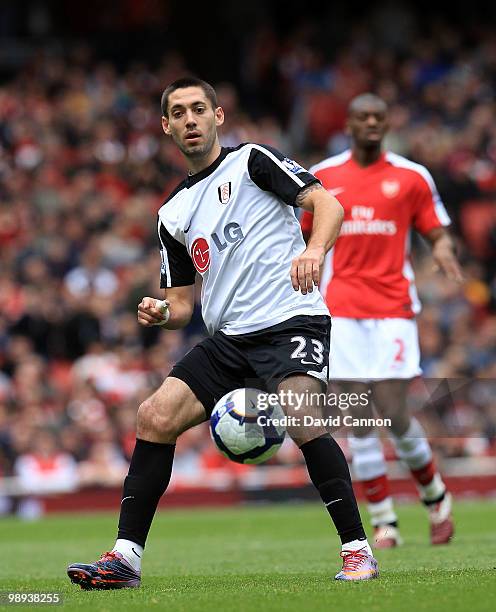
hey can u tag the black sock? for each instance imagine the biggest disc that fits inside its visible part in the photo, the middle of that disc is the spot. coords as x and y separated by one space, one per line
148 477
330 474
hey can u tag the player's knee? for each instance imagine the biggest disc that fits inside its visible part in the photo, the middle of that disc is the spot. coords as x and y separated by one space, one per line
157 419
363 431
302 435
398 421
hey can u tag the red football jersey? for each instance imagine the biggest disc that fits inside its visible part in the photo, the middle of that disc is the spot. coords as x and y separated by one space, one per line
368 274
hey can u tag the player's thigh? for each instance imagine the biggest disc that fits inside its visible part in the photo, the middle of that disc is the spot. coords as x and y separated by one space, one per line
212 368
169 411
348 390
390 400
355 399
303 400
292 359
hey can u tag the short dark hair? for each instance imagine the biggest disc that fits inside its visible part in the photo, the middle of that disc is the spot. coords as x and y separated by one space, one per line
187 82
367 97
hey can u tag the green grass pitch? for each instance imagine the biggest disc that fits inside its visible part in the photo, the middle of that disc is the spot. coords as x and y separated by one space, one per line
274 557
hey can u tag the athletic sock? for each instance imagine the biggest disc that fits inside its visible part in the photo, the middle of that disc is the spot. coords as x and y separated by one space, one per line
369 467
368 460
376 490
414 449
379 502
382 513
131 551
330 475
357 545
433 491
148 477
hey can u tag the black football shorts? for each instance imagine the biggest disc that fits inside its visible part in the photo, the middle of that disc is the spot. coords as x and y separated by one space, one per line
260 359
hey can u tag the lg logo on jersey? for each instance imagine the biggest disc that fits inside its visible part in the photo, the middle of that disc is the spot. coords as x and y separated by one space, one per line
232 234
200 250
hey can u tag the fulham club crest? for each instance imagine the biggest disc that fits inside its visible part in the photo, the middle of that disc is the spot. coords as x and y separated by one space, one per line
224 192
390 188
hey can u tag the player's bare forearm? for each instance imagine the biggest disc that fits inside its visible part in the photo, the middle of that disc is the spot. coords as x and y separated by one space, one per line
180 304
444 254
327 213
180 315
327 220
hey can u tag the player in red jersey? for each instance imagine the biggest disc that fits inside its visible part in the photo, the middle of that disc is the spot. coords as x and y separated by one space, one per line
369 289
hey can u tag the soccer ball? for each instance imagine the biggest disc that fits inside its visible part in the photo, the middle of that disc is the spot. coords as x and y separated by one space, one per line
241 426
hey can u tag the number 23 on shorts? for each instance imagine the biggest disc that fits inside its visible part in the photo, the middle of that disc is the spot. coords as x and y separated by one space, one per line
315 351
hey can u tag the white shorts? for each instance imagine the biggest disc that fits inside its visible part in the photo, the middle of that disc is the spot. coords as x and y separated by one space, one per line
374 349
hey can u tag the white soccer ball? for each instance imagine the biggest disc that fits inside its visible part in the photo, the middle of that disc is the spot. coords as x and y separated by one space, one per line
246 427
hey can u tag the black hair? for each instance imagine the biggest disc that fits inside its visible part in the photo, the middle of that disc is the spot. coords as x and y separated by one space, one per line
187 82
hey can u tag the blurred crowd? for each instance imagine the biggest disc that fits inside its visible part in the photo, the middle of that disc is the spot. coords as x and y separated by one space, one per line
84 168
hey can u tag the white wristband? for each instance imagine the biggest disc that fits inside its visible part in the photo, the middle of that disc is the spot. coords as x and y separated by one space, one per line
164 309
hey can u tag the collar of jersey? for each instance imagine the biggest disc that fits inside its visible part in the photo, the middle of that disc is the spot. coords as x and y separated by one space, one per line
379 163
192 180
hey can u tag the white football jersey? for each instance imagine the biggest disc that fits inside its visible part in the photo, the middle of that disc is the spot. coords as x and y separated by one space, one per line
234 224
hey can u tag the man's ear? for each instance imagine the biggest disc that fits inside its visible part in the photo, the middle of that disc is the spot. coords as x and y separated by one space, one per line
219 116
165 125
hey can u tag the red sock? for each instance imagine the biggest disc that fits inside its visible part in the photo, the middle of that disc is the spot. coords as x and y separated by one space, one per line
425 474
376 489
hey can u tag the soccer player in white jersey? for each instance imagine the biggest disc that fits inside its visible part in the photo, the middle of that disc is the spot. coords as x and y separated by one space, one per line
232 221
372 298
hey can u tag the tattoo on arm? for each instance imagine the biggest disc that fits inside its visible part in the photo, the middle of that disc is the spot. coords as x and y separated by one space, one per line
300 198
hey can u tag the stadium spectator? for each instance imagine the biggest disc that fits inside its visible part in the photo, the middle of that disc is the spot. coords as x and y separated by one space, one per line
44 468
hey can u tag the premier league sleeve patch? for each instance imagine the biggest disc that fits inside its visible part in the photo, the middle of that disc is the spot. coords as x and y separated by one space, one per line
292 166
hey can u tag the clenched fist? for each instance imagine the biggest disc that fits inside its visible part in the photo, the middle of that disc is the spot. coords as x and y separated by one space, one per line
152 311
